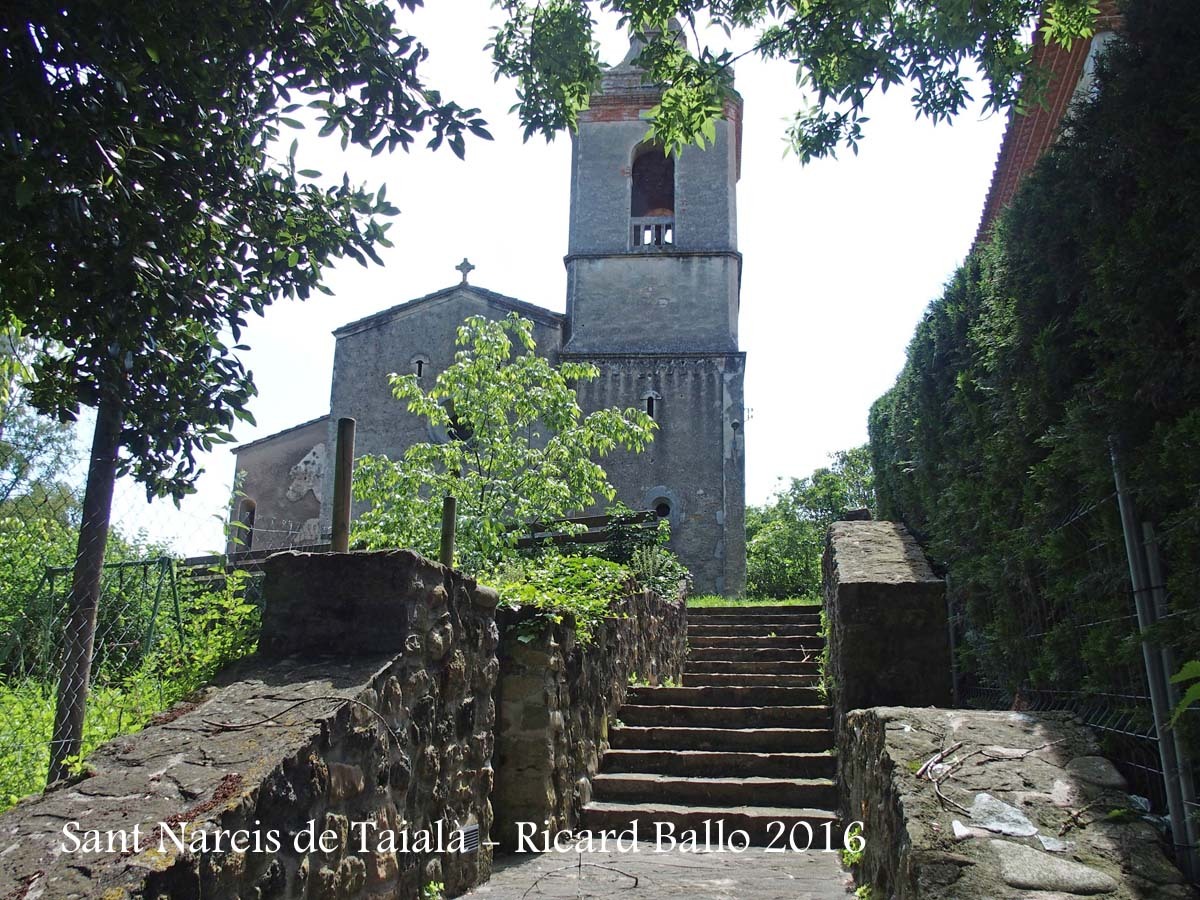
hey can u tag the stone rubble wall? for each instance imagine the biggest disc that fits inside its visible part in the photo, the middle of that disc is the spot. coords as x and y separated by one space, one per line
1032 811
888 640
395 728
557 698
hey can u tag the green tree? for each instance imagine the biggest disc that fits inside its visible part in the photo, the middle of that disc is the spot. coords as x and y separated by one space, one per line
147 214
786 537
36 452
842 49
516 448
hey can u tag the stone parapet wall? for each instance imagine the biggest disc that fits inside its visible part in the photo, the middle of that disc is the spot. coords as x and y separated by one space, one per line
399 737
1030 809
888 639
557 698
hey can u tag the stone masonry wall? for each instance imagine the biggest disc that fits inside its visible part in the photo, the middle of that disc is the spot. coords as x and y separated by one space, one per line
1030 810
888 638
557 697
394 730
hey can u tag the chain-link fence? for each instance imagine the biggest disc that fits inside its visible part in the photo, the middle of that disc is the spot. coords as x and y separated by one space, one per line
165 620
1084 653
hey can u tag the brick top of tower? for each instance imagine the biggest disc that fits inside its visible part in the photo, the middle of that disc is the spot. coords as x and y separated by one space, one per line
1029 136
624 96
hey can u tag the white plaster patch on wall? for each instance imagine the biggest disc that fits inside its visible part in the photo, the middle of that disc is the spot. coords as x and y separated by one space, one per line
307 475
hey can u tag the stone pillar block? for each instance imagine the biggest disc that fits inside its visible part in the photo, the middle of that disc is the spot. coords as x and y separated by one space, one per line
888 638
357 604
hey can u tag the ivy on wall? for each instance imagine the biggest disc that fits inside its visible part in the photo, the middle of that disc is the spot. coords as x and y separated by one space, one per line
1080 319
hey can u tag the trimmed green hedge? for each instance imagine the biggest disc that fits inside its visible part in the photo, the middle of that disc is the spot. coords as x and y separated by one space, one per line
1080 319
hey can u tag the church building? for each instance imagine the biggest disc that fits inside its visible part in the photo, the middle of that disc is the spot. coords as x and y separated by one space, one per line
653 283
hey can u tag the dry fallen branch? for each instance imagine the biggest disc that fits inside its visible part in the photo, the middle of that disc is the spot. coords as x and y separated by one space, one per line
937 758
937 789
1073 819
579 867
240 726
1024 754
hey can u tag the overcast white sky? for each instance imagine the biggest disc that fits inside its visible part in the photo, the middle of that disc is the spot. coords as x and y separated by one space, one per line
841 258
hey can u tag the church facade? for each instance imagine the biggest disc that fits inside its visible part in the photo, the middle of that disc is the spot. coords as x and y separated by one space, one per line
653 284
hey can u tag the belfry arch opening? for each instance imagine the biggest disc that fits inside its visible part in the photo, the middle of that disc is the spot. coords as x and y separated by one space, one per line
652 197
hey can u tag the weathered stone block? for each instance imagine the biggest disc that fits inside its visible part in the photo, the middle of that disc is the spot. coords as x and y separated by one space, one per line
355 604
1001 829
888 637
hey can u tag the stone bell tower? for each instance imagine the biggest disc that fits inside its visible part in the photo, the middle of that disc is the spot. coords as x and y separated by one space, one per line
653 279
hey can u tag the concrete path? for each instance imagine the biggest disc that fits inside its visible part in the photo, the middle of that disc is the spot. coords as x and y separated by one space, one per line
667 874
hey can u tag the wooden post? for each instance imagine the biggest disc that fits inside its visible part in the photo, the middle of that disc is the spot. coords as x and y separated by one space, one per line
343 472
449 513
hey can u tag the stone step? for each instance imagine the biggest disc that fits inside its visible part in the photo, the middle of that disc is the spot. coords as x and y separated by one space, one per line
750 666
642 787
753 654
721 763
727 716
713 825
756 642
764 695
762 740
706 612
703 679
749 632
757 621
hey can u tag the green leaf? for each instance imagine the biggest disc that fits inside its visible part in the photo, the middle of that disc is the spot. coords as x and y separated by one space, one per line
1189 672
1192 696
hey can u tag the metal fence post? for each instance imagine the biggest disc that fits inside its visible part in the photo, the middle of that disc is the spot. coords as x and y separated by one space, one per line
343 472
1156 676
449 514
952 627
1189 861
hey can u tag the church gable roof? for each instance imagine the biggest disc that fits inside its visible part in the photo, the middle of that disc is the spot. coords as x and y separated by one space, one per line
501 301
319 420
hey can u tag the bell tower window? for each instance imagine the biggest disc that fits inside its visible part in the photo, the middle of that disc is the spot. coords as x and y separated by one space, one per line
652 198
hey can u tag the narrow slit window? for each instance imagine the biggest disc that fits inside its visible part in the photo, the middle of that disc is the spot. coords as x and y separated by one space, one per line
245 533
650 407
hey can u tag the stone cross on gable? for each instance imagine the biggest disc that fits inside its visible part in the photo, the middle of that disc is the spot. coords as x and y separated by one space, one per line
466 268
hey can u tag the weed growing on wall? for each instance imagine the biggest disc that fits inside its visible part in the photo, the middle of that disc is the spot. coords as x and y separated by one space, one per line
581 587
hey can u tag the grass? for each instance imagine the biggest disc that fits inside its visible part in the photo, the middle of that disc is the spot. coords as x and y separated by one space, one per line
707 600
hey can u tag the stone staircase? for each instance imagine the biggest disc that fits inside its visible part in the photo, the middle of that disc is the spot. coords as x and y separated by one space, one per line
746 740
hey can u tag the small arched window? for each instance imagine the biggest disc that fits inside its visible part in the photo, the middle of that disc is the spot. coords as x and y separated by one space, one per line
652 402
245 532
420 365
652 197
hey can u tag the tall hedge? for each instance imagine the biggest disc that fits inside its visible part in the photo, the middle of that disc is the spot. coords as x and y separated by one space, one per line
1078 320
